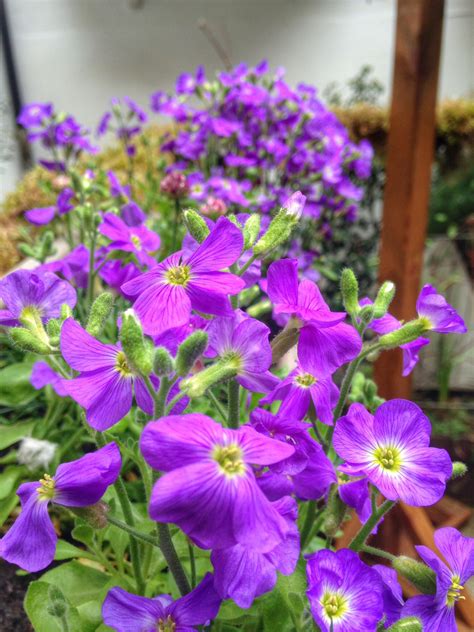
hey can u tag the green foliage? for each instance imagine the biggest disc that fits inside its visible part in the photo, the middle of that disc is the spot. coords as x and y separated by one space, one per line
451 202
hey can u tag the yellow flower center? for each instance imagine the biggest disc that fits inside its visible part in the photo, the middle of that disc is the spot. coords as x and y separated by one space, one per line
305 380
179 275
454 592
46 489
334 605
166 625
229 458
388 458
121 365
136 242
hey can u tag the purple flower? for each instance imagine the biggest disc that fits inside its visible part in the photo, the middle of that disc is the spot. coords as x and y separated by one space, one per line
439 314
392 450
139 240
391 594
242 573
106 383
124 612
115 274
325 342
31 541
165 296
209 489
42 375
345 594
299 390
28 296
34 114
41 215
437 612
355 494
244 341
74 267
307 473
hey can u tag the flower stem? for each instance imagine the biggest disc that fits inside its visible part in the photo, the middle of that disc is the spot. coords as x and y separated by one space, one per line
233 416
169 553
308 522
372 550
91 276
192 565
217 404
149 539
177 211
359 541
246 265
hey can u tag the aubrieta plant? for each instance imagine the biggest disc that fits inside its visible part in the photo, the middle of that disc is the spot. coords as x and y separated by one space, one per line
213 475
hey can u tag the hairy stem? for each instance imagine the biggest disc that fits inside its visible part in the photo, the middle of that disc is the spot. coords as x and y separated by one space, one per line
359 541
233 413
169 553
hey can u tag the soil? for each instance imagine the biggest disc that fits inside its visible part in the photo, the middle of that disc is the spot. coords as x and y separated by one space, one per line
12 589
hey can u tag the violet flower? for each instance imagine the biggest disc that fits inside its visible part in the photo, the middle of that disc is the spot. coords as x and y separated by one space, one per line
209 487
138 240
74 267
325 342
31 541
30 296
299 390
243 574
437 612
391 594
165 296
43 375
125 612
439 315
392 450
345 594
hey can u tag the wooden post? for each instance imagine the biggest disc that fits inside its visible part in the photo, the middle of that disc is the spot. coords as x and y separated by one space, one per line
409 159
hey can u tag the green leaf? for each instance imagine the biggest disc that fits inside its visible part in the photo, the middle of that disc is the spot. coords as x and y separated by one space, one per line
36 606
84 533
11 434
78 582
66 551
91 614
287 600
8 479
7 506
15 387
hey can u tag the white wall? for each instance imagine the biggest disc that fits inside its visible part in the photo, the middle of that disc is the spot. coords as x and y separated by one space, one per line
79 53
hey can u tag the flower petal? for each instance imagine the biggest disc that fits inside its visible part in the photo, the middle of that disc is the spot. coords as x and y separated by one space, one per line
197 607
125 612
322 351
221 248
282 286
162 306
82 351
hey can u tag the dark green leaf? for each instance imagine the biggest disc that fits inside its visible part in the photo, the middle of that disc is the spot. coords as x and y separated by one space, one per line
11 434
36 606
15 387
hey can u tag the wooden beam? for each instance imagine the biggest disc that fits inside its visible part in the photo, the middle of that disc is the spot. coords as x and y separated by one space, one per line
409 159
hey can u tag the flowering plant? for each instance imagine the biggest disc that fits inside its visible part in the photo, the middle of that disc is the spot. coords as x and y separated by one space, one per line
213 479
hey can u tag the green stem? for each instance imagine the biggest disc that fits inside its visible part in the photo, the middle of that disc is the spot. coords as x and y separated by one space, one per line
359 541
192 565
174 401
372 550
91 276
308 522
172 559
149 539
246 265
217 404
177 211
233 416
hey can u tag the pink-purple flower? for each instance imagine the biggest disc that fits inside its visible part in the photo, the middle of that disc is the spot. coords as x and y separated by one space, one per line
138 240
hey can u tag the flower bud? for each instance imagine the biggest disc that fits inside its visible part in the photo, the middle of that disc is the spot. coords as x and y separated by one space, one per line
66 312
175 185
189 351
95 515
366 314
281 225
99 313
46 245
198 384
459 469
162 362
135 347
53 329
407 624
334 514
419 574
27 341
384 298
350 291
251 230
196 226
141 417
409 332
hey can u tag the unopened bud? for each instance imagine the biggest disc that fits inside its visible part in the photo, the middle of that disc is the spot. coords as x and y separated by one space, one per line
196 226
95 515
53 329
27 341
135 347
189 351
459 469
99 313
409 332
350 291
251 230
198 384
419 574
407 624
366 314
162 362
334 514
282 224
66 312
384 298
57 606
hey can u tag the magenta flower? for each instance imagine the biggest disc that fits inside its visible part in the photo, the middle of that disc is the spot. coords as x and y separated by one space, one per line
439 314
34 114
28 295
392 450
74 267
325 342
391 594
244 341
115 274
124 612
165 296
299 390
307 473
243 574
437 612
138 240
42 375
209 489
31 541
106 384
345 594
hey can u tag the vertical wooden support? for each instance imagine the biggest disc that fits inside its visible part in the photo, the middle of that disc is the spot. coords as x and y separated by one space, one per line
409 159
